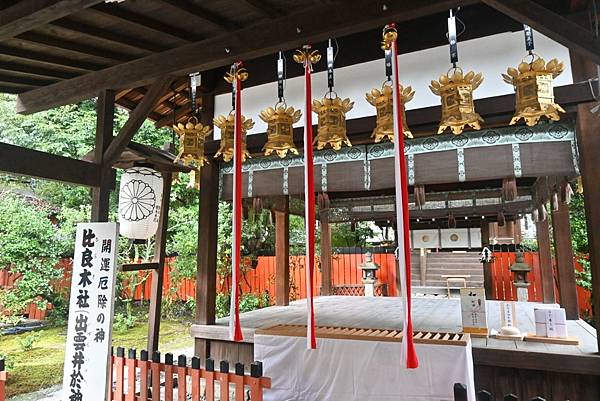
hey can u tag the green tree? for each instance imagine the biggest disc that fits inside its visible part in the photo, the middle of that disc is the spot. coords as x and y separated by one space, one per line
30 245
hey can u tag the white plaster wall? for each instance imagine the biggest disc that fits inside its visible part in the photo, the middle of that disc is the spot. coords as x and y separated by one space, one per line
490 55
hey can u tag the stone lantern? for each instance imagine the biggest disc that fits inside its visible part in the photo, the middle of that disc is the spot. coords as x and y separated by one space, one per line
369 269
520 268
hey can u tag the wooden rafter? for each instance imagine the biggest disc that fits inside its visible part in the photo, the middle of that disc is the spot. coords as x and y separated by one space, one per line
30 14
152 24
555 26
46 58
40 71
202 14
76 47
107 35
262 8
136 119
273 35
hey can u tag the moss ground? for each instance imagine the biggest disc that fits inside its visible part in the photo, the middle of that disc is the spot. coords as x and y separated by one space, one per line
42 365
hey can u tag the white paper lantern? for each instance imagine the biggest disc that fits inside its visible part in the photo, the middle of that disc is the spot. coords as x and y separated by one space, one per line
139 202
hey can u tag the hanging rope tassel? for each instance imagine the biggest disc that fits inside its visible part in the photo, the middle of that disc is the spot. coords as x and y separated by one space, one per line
235 330
409 353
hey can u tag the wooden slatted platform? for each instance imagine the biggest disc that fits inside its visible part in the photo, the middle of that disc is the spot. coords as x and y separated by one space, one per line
366 334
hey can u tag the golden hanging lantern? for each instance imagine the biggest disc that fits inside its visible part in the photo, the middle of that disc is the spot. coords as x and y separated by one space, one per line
533 83
280 134
384 104
456 92
226 125
192 136
194 182
332 121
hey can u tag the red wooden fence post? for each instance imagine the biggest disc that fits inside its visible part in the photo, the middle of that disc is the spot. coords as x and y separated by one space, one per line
130 364
3 377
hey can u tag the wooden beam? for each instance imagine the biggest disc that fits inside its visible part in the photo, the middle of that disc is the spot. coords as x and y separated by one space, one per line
11 79
136 267
208 218
115 12
77 47
202 14
282 252
542 229
551 24
46 58
137 118
158 274
565 268
247 43
105 116
588 142
29 162
39 71
26 15
107 35
264 9
206 276
326 278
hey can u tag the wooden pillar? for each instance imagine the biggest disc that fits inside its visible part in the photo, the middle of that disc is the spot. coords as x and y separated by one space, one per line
326 282
565 270
542 229
282 252
487 267
208 221
588 141
105 114
158 274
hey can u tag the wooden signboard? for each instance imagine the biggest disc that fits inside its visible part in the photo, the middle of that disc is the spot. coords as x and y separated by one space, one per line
91 306
472 307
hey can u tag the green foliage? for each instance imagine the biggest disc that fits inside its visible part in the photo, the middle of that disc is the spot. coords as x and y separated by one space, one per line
248 302
29 341
30 245
124 322
578 224
347 234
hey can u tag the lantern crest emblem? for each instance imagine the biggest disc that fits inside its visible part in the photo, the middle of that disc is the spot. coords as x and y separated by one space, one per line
533 83
226 125
192 136
280 133
332 121
384 104
456 92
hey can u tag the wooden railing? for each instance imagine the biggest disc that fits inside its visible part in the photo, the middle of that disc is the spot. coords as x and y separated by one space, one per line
3 377
156 381
460 394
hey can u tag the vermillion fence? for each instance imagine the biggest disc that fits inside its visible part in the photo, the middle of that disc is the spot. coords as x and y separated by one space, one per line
156 381
345 273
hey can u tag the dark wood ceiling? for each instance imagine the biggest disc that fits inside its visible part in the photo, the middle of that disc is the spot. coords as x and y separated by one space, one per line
45 42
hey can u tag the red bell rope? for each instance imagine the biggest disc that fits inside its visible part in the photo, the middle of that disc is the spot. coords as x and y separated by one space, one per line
402 220
235 330
309 199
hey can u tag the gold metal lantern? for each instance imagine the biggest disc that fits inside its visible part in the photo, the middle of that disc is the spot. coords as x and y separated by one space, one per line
456 92
384 104
332 121
533 83
192 136
280 133
226 125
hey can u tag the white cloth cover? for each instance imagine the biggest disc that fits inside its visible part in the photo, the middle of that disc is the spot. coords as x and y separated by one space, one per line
355 370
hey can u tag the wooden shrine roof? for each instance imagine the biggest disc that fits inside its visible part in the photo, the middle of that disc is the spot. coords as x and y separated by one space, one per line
55 52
